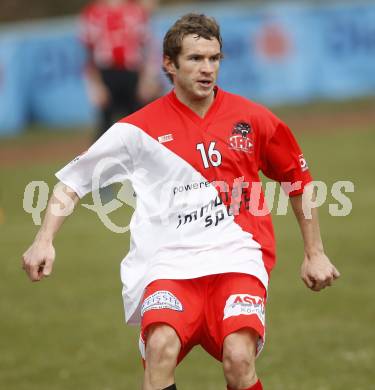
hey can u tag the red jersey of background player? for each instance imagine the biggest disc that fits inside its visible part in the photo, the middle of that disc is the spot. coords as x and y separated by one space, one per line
115 34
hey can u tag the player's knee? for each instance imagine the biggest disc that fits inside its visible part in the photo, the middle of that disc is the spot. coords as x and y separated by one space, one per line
238 364
163 345
239 358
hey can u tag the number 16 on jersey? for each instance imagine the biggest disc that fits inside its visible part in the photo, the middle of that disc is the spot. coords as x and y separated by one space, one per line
212 156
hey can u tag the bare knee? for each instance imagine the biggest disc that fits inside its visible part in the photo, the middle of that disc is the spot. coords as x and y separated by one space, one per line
162 347
239 351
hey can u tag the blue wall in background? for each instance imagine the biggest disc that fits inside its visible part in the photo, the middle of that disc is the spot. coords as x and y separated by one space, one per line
273 54
41 78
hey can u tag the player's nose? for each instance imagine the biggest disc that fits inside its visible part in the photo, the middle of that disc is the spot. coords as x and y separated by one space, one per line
207 67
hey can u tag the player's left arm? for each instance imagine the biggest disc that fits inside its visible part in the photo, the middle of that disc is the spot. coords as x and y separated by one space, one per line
317 271
282 160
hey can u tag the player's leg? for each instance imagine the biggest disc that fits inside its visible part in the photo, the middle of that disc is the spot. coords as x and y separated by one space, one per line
235 327
127 93
162 350
171 314
239 351
105 119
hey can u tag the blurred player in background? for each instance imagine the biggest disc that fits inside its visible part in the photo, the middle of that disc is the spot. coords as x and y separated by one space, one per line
201 252
120 72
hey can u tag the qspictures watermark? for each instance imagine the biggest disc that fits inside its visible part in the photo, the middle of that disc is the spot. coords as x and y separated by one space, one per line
256 198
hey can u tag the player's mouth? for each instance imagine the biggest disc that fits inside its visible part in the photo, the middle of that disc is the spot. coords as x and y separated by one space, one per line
205 83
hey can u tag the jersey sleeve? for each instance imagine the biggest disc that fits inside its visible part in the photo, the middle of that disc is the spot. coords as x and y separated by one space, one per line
109 160
282 160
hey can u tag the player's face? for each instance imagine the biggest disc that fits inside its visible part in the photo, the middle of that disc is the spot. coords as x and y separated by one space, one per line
197 67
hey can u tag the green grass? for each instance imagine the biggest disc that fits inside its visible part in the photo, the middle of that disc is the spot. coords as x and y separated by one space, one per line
68 333
37 134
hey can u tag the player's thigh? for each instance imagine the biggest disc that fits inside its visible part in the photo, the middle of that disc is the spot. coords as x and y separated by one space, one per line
175 304
238 306
163 344
240 347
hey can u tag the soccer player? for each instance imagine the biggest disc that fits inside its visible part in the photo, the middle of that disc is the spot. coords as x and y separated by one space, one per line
202 247
115 34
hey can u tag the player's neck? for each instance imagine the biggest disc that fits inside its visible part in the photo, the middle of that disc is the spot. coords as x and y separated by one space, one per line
199 106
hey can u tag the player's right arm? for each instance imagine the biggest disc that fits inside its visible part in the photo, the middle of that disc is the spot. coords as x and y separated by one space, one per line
38 260
109 160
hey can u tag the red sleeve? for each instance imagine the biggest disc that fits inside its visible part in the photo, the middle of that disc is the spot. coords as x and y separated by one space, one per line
282 160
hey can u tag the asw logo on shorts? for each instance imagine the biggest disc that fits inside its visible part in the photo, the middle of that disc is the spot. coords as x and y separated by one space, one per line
244 304
161 300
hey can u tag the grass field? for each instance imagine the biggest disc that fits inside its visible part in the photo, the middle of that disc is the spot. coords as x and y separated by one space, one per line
68 332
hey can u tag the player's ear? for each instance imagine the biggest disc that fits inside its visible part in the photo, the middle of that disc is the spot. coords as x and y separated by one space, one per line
169 66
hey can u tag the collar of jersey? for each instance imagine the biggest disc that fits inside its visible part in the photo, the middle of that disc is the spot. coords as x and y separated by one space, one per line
191 114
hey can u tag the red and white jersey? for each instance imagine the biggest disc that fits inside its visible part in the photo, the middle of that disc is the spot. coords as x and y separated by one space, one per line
115 35
197 185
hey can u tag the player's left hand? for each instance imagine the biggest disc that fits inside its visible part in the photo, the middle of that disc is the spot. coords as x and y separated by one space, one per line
318 272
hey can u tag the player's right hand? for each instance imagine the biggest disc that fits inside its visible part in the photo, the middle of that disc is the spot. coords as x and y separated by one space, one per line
38 260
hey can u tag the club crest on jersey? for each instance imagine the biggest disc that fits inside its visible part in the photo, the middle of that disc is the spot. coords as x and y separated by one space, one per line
239 140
